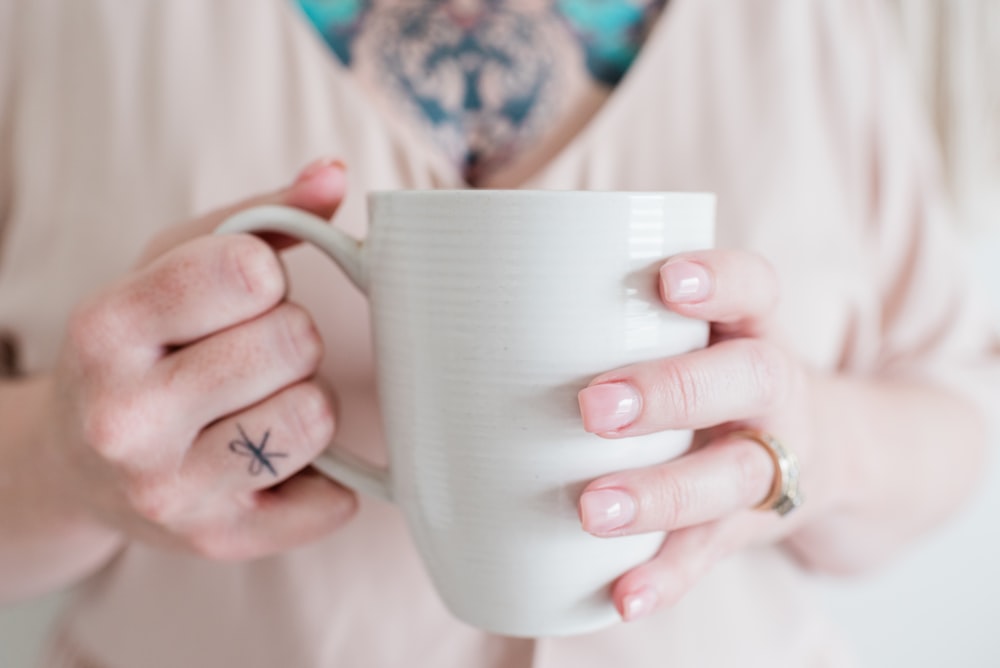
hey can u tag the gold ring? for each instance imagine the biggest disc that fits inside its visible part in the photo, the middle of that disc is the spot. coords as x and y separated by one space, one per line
784 496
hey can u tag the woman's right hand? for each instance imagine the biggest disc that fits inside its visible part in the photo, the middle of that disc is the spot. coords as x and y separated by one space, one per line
185 413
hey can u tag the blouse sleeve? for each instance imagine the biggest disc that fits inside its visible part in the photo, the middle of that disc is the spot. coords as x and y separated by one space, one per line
936 321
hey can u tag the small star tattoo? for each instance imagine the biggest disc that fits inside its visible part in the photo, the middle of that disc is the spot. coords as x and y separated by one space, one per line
260 458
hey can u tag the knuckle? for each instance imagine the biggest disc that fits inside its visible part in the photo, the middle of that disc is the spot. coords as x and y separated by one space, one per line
342 511
94 330
771 284
693 571
252 267
154 501
110 428
167 277
313 416
754 471
757 281
685 390
300 341
673 498
675 587
766 371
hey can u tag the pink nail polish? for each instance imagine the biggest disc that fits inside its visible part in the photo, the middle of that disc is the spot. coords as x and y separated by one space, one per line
603 511
608 406
685 282
639 603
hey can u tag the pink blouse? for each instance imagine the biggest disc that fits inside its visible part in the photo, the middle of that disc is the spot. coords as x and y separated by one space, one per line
120 118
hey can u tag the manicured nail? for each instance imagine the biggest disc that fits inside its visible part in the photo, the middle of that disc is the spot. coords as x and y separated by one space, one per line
639 603
685 282
317 166
608 406
603 511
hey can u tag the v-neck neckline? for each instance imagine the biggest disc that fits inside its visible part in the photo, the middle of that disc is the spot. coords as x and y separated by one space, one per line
404 135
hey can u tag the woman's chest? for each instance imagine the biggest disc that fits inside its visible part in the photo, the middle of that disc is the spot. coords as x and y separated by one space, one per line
487 84
133 123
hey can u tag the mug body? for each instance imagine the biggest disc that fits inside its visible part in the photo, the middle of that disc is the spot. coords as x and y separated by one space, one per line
491 310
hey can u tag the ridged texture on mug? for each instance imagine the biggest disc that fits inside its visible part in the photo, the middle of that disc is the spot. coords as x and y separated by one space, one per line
491 311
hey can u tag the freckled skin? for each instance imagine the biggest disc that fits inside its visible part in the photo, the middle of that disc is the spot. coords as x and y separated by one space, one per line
182 410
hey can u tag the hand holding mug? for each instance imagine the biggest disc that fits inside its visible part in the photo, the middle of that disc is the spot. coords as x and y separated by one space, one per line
185 413
706 499
491 309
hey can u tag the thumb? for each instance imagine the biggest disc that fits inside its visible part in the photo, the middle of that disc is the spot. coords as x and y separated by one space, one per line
319 188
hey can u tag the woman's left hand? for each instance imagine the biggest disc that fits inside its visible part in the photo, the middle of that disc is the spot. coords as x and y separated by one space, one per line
705 498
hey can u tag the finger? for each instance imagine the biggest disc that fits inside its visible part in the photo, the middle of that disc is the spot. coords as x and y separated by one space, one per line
319 188
201 287
229 371
715 481
263 445
732 287
685 557
301 510
211 283
733 380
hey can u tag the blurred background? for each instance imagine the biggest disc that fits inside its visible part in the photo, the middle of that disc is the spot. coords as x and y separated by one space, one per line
940 604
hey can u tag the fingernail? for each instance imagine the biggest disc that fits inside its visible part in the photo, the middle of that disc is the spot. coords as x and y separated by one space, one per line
685 282
317 166
605 510
608 406
639 603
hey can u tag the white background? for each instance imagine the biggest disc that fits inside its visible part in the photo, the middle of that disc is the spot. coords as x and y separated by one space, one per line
938 606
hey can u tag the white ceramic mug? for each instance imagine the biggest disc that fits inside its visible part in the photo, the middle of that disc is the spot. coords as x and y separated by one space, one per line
491 310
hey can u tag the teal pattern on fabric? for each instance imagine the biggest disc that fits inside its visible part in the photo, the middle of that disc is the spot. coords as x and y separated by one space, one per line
337 21
495 54
610 31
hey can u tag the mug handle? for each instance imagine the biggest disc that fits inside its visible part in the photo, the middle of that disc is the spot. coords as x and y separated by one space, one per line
348 253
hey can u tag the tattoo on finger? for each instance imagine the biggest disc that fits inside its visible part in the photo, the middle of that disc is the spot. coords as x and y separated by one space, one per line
260 458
